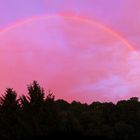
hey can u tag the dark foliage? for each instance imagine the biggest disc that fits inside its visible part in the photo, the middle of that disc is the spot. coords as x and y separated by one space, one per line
39 115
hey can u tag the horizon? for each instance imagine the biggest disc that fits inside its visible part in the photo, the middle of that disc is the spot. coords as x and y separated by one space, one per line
48 92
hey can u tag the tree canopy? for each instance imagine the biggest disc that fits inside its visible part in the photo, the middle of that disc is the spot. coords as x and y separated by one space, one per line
39 114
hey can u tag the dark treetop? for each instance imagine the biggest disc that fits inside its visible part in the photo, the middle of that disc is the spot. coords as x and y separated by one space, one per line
39 115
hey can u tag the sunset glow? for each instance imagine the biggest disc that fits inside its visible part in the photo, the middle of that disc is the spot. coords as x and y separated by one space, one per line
78 56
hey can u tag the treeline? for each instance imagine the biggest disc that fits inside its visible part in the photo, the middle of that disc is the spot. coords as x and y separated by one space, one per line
38 114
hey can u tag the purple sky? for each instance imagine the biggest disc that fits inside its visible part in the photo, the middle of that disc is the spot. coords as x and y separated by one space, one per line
120 15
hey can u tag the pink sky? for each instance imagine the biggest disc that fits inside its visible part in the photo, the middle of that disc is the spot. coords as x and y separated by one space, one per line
85 59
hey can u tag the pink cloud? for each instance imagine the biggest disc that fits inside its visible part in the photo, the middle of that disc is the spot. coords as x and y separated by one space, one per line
71 57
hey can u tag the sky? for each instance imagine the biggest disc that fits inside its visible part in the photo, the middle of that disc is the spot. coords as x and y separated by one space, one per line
84 50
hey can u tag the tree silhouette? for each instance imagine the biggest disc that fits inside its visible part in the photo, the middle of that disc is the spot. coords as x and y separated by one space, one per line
9 114
32 109
36 94
39 114
9 100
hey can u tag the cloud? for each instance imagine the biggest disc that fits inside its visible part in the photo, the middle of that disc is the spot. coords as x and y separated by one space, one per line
74 59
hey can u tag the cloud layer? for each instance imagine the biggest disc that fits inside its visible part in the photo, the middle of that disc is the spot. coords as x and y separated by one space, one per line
73 58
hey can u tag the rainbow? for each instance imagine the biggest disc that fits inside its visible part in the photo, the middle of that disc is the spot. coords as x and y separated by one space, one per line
79 18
